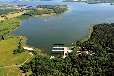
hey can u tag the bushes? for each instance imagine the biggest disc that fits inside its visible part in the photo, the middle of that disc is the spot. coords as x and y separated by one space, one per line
2 37
7 11
20 49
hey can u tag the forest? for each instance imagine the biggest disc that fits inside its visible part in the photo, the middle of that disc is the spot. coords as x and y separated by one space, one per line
101 63
101 40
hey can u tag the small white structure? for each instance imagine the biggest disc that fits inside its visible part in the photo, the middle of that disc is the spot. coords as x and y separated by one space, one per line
28 48
52 57
64 49
83 52
31 53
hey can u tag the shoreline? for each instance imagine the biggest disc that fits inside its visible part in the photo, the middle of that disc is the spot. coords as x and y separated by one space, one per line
13 24
89 33
43 15
88 36
26 39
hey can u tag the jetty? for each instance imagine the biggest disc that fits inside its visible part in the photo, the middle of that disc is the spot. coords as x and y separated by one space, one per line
61 48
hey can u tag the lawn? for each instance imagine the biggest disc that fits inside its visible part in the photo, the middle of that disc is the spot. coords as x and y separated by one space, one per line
16 14
7 58
9 25
9 62
12 71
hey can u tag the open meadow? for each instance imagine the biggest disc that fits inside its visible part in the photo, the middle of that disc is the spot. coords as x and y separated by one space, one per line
8 60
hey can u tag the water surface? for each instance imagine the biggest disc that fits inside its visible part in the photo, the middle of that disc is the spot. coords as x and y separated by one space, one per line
71 26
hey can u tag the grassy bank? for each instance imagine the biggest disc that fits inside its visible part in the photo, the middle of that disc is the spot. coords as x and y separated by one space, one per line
11 71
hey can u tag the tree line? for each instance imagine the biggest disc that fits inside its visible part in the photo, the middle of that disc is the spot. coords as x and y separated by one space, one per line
7 11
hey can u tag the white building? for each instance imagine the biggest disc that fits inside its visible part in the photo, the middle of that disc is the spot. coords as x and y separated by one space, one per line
64 49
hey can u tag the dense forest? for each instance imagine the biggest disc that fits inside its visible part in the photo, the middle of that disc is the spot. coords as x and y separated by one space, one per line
101 40
101 63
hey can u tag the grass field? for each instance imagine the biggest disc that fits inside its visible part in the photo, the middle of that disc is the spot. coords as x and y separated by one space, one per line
9 62
9 25
12 71
16 14
2 18
9 16
7 58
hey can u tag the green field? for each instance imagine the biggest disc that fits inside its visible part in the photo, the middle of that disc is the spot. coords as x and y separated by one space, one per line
8 59
12 71
9 62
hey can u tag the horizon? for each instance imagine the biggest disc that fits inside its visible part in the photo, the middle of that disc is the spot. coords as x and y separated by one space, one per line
26 0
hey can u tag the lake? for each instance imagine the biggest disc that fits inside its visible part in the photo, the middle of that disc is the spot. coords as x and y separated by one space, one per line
43 32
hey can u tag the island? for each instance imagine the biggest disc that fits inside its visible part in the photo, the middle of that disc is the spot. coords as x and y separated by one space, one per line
47 10
91 1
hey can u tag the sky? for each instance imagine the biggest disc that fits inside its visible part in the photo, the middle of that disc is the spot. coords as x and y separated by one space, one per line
6 0
13 0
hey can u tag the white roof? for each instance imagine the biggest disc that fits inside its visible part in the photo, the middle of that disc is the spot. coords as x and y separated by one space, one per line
27 48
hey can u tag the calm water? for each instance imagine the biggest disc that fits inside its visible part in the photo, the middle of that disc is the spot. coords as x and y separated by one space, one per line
66 28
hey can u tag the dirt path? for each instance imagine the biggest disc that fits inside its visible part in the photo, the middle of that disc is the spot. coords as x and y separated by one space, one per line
14 65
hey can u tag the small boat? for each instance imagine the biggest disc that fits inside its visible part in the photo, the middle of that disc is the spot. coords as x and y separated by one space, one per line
112 4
